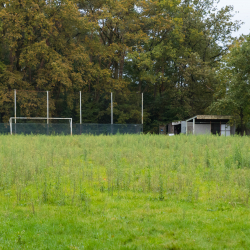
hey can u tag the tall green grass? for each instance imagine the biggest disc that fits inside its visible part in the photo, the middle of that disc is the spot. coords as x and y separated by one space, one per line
61 170
92 177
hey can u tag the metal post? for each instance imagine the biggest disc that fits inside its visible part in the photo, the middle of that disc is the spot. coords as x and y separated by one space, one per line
15 103
142 108
80 112
186 127
80 107
15 109
71 126
10 126
193 126
142 111
112 113
111 108
47 112
47 107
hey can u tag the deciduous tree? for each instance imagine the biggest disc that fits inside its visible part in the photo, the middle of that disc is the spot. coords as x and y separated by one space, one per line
232 95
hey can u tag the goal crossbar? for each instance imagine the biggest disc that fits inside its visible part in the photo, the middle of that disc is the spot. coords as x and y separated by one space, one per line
39 118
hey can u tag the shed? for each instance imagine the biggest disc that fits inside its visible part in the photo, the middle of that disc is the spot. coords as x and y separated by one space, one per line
209 124
203 124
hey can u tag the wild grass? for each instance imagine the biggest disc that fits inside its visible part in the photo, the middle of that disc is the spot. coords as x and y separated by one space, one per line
124 192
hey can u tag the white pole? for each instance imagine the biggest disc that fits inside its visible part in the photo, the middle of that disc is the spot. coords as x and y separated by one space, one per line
11 126
47 107
15 103
71 126
186 127
111 108
193 126
80 107
142 108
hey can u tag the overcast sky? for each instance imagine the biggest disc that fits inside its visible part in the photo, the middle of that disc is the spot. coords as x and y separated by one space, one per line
243 6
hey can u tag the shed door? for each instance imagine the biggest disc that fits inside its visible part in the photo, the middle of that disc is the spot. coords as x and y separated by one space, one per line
215 128
183 127
225 129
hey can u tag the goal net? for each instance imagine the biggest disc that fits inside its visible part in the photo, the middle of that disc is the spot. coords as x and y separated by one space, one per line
45 126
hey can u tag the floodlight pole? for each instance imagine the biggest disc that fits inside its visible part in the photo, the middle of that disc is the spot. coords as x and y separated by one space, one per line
80 107
112 113
47 107
15 103
111 108
15 109
142 108
47 112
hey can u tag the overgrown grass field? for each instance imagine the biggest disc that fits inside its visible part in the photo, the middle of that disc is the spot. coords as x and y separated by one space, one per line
124 192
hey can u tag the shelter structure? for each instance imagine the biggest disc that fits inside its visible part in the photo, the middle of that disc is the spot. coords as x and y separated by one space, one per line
203 124
175 128
210 124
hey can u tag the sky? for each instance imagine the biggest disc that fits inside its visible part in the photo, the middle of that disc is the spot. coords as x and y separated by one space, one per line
243 7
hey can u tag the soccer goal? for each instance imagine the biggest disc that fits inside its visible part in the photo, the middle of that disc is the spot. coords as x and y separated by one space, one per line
38 118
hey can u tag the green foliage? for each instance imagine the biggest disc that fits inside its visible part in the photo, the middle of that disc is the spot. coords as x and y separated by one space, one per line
233 93
168 50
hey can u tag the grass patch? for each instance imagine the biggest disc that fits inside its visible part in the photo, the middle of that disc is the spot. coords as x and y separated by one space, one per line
124 192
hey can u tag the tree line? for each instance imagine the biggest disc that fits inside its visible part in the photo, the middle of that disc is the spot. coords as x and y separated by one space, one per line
176 52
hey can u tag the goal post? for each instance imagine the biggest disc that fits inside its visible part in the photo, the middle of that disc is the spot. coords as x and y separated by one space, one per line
39 118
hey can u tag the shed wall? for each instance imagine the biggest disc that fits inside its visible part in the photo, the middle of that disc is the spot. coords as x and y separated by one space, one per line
201 129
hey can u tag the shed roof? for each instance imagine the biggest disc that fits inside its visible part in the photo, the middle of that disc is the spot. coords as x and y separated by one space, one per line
213 117
210 117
